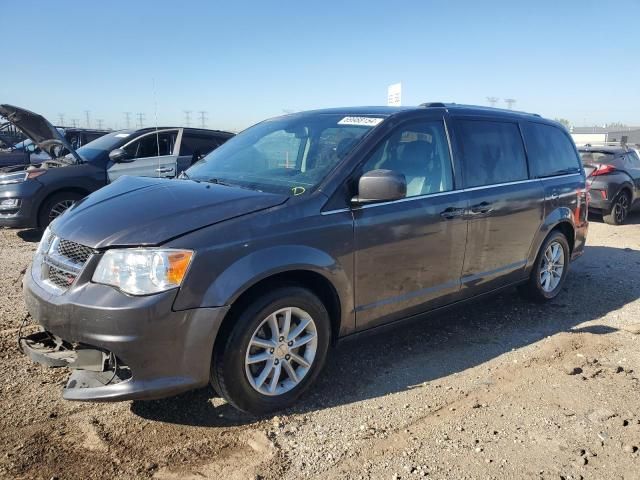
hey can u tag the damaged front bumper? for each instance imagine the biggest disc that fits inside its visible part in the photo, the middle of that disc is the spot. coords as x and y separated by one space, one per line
120 347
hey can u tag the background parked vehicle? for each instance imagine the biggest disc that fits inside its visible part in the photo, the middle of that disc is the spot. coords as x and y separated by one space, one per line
301 230
35 195
27 152
613 175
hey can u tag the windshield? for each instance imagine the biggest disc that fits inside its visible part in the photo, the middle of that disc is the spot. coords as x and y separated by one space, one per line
596 157
93 151
289 155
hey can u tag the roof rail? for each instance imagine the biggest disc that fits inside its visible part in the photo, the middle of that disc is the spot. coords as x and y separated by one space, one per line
433 104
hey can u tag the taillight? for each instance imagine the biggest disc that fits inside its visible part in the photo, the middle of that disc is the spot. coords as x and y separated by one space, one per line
603 169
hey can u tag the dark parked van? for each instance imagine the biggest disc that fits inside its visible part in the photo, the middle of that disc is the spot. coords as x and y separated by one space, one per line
297 232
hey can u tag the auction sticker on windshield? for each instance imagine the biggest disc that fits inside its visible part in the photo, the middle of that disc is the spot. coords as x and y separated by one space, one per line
361 121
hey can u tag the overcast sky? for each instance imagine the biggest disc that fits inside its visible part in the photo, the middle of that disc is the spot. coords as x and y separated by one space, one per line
245 61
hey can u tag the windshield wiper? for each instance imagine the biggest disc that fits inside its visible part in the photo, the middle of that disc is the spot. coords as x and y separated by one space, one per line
218 181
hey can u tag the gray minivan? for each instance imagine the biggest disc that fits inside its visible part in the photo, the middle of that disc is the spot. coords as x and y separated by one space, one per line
297 232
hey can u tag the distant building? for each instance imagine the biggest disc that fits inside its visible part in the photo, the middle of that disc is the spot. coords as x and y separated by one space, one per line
595 135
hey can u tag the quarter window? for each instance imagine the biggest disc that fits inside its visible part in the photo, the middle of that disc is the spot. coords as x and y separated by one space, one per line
492 153
419 151
550 150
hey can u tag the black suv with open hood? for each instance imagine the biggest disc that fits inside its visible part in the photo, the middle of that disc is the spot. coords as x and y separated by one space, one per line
32 196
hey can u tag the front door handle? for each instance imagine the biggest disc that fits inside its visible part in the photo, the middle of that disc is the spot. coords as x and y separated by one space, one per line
480 208
164 170
555 196
451 213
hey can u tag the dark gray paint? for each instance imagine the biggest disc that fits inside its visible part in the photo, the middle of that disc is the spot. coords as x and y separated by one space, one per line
384 261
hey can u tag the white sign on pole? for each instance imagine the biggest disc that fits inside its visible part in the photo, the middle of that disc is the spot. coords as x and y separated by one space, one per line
394 95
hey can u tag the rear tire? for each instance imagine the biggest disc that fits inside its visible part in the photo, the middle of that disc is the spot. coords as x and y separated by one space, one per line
549 270
252 354
619 209
56 205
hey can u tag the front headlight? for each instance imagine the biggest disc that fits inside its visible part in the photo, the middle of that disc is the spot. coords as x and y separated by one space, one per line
45 242
143 271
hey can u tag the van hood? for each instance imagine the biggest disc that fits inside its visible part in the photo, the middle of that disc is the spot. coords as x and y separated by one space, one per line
38 129
135 211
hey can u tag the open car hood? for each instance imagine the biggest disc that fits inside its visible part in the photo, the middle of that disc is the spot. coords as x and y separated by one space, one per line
38 129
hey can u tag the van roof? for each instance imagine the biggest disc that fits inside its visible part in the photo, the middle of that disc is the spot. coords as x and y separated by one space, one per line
452 107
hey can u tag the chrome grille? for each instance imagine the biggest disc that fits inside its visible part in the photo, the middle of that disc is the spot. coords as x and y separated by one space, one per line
62 262
74 251
59 277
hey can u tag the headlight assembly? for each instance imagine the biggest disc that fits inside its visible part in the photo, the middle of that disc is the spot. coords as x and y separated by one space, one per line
143 271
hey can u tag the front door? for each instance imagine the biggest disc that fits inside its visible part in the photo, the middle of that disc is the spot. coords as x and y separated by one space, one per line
151 155
505 206
410 252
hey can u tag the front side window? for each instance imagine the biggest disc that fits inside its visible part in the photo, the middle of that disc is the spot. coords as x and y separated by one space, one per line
153 145
492 152
421 153
289 155
550 150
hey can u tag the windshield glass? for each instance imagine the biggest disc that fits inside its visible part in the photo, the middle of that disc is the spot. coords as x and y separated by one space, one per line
596 157
94 150
289 155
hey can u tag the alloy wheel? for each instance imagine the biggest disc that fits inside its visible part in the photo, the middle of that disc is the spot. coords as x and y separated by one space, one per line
551 267
59 208
281 351
621 208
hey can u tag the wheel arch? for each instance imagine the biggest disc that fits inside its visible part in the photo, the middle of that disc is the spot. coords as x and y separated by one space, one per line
76 190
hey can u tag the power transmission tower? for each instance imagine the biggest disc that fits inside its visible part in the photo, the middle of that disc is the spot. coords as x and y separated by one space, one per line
509 102
140 119
203 118
187 118
492 101
127 119
74 122
87 116
100 122
61 119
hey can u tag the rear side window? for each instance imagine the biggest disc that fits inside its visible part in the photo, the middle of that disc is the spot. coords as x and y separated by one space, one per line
492 152
198 145
550 150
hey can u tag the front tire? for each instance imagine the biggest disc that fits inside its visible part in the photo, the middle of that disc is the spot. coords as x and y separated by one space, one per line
56 205
619 209
549 270
273 352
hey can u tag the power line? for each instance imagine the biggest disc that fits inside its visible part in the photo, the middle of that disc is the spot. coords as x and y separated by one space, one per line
100 122
127 119
87 116
203 118
140 116
61 119
492 101
74 122
509 102
187 117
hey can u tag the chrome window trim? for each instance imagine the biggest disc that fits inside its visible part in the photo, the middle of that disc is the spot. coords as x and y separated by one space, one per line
439 194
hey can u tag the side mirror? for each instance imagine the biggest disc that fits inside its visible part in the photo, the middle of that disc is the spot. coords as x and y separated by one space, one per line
119 155
380 186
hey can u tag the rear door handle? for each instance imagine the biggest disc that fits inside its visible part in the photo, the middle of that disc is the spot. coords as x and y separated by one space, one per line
451 213
480 208
555 196
164 170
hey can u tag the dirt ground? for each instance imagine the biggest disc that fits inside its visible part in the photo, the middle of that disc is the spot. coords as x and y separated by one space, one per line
498 389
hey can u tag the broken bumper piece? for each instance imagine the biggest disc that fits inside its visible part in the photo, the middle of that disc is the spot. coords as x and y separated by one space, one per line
92 368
